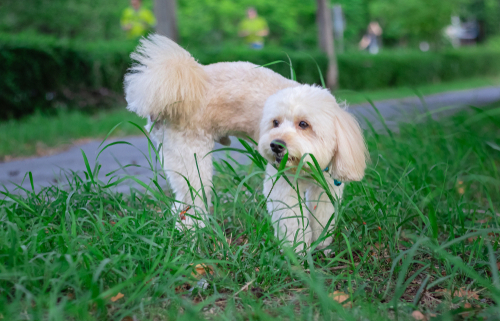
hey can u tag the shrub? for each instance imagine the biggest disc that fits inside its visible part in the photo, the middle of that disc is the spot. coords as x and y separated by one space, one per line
42 72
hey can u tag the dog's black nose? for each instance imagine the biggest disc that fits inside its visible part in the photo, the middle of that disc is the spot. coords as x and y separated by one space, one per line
277 146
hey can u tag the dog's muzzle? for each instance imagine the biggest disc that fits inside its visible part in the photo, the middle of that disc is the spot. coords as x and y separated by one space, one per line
278 147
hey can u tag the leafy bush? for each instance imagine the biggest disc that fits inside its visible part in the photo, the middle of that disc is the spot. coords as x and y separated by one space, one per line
201 22
83 19
43 73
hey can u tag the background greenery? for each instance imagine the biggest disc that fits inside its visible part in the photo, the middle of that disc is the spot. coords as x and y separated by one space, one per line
62 54
214 22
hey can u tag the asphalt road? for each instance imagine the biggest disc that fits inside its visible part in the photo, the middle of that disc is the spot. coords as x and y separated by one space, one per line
53 169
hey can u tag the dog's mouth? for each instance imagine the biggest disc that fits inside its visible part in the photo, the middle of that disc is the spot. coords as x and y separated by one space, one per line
290 160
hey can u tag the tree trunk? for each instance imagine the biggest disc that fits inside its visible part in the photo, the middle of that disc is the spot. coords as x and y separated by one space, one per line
325 36
166 18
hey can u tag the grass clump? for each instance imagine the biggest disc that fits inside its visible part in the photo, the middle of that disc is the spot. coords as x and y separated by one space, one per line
419 233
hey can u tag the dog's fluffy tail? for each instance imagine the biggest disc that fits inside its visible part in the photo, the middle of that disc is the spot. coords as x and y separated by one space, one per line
165 82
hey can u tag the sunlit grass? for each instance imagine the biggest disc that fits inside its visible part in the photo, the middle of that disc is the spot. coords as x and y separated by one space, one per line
420 232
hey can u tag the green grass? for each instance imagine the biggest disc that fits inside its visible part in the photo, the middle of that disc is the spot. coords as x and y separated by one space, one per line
39 133
423 224
353 97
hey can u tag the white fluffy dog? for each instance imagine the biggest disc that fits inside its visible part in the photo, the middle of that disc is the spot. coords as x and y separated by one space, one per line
193 105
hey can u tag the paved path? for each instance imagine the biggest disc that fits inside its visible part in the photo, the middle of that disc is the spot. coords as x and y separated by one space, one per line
52 169
394 110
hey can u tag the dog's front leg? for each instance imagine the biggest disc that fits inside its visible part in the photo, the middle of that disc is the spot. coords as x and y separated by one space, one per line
322 208
283 206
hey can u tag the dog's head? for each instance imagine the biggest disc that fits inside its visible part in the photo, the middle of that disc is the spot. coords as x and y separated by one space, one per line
307 119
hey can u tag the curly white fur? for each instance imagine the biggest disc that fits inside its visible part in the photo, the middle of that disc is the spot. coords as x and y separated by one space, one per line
332 135
195 105
166 81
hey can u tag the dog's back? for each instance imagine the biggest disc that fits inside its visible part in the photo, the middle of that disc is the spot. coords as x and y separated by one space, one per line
224 98
238 91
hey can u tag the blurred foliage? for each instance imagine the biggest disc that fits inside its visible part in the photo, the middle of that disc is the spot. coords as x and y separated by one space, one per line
88 19
292 23
486 12
412 21
357 18
494 42
208 22
61 72
201 22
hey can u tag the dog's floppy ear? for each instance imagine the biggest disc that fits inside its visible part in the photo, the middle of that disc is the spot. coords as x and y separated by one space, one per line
350 156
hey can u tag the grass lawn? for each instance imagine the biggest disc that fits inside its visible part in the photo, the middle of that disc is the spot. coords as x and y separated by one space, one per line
420 234
41 134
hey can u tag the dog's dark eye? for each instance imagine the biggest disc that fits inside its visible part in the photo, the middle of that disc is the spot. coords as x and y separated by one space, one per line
276 123
303 125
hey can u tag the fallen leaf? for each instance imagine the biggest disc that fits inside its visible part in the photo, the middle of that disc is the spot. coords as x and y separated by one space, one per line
498 266
467 305
463 293
472 239
484 220
417 315
441 292
201 269
127 318
341 297
117 297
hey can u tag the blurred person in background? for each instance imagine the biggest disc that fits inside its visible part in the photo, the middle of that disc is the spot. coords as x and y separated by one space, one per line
370 40
137 21
253 29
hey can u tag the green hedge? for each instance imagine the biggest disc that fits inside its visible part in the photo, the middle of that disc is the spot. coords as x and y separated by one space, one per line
40 73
